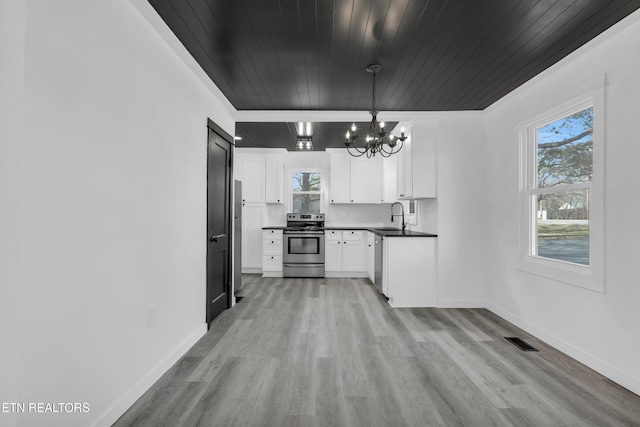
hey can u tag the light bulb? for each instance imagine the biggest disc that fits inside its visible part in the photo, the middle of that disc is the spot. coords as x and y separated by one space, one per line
353 127
381 125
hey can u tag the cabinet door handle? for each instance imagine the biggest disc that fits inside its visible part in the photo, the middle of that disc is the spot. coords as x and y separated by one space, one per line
402 195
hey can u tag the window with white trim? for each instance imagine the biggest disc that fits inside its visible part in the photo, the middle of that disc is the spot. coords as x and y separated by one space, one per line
562 193
306 195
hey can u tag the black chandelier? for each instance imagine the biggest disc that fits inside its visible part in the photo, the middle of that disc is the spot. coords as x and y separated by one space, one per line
376 139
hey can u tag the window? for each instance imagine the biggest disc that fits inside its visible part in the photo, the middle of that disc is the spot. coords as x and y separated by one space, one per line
306 194
562 193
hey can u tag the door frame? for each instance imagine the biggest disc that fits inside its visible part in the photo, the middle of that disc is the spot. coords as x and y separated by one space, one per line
211 125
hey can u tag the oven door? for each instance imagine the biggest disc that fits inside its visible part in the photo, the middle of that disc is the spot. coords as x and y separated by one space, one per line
303 247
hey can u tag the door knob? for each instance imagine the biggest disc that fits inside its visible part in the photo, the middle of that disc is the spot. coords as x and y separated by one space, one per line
213 239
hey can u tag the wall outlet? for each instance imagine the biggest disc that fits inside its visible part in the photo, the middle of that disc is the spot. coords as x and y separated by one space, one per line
151 317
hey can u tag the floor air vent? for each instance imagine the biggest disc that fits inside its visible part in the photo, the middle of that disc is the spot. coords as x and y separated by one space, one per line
520 343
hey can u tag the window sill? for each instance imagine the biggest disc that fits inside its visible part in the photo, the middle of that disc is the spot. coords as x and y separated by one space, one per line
584 277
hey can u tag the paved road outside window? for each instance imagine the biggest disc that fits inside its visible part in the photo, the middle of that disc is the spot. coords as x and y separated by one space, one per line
574 250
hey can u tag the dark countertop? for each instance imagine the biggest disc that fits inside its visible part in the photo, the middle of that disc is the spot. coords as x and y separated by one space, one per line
400 233
380 231
387 231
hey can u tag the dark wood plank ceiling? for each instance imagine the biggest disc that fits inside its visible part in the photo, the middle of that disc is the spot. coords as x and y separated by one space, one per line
436 54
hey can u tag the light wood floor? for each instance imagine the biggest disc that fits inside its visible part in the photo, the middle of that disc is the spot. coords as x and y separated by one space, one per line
323 352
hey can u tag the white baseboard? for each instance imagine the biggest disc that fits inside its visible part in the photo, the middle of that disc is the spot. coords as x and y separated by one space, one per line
616 375
272 274
462 303
121 405
250 270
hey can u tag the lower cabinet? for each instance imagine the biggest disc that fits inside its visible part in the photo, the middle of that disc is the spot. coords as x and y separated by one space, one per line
272 253
252 222
345 253
409 271
371 254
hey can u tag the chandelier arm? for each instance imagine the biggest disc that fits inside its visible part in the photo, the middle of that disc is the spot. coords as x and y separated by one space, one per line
360 153
385 154
354 144
393 150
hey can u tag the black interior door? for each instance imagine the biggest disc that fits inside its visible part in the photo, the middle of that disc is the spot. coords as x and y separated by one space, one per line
218 222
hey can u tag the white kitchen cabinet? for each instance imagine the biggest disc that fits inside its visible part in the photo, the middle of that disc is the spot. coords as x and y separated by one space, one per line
365 179
371 256
345 253
252 170
409 271
273 180
332 251
339 177
252 222
405 171
390 179
272 253
354 254
417 162
354 179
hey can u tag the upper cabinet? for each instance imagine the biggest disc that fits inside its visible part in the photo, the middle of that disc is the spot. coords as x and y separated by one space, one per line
252 173
416 162
355 179
261 178
273 180
390 179
366 179
339 177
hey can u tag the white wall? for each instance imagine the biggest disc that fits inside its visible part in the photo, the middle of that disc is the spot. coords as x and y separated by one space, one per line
112 180
12 24
461 210
597 329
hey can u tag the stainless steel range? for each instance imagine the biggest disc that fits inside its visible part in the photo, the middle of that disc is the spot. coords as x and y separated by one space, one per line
303 245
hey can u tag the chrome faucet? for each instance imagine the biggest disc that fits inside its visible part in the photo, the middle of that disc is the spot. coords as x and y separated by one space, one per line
404 225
